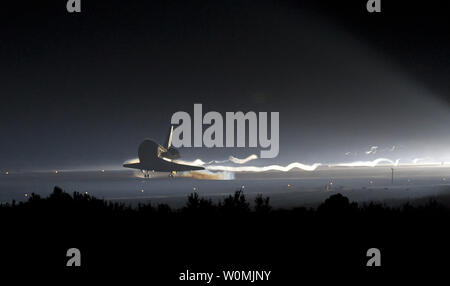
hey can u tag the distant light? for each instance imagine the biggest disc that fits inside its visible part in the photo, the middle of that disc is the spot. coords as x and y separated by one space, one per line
103 171
331 183
26 195
289 185
56 172
6 173
142 190
86 193
242 187
194 188
371 182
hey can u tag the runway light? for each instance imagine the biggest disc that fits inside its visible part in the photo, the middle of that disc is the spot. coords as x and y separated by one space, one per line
56 172
289 185
6 173
26 195
86 193
142 190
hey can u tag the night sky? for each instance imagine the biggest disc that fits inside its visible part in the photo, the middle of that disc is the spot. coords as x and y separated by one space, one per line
82 90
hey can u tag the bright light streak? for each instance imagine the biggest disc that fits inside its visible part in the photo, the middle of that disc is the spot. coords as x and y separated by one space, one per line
215 170
265 168
232 159
131 161
372 150
243 161
367 163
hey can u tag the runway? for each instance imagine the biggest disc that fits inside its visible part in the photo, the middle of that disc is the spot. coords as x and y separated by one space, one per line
285 189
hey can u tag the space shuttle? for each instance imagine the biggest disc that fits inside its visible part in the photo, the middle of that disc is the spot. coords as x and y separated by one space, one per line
152 157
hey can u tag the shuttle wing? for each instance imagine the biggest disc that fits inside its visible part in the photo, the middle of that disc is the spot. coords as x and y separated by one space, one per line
132 165
181 167
161 165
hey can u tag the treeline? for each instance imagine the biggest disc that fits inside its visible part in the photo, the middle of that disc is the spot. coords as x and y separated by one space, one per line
236 204
207 233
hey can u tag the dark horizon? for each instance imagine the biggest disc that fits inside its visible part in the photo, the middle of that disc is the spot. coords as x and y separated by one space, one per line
155 243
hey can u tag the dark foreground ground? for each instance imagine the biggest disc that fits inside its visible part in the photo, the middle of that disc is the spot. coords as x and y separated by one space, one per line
156 243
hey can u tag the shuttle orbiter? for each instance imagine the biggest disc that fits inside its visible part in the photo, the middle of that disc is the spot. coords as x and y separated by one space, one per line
156 158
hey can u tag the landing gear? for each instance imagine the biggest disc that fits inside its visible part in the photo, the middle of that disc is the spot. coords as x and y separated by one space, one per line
172 174
146 174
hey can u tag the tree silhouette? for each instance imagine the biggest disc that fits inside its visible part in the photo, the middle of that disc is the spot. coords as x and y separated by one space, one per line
338 205
235 204
262 205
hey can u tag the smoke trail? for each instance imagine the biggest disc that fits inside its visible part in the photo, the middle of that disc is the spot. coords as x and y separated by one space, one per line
207 175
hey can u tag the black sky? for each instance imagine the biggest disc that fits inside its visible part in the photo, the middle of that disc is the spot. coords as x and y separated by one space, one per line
84 89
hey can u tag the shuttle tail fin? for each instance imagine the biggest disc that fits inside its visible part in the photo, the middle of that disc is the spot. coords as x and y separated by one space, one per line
169 137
